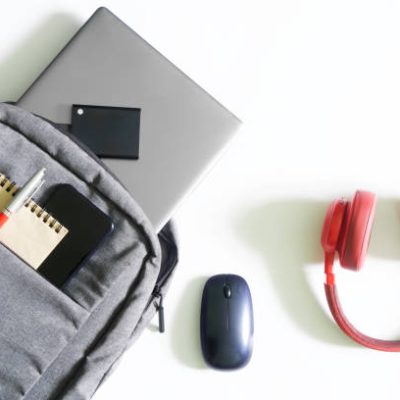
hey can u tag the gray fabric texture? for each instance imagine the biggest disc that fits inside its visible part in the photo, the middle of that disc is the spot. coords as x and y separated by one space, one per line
60 344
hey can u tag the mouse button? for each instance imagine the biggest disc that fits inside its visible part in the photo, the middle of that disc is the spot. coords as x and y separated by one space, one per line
214 310
241 289
241 309
227 291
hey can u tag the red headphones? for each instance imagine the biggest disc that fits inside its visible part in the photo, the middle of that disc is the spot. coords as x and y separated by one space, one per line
347 230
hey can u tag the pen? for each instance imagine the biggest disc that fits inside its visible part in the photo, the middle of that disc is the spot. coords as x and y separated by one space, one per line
22 196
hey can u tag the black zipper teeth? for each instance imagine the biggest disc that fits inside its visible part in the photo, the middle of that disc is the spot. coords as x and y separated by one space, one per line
159 284
164 275
162 278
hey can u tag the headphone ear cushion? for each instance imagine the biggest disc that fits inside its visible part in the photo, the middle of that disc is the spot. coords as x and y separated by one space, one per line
357 227
332 227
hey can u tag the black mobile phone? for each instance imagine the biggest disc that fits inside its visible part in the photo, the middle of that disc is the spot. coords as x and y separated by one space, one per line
87 227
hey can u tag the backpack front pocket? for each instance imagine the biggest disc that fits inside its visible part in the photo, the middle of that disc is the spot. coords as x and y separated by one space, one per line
37 322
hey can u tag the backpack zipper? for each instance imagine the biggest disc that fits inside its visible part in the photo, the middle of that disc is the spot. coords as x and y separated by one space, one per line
169 261
159 308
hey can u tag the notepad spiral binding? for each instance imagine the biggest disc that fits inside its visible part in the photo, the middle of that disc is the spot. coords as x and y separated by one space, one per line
48 219
8 185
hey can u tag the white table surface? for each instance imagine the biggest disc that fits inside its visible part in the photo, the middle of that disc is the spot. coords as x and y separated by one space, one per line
317 84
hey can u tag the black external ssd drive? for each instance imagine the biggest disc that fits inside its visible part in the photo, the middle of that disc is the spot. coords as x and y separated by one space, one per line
110 132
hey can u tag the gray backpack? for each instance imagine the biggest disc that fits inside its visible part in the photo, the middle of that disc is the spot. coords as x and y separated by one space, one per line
61 344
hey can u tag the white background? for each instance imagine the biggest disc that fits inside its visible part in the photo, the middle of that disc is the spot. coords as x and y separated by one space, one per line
317 84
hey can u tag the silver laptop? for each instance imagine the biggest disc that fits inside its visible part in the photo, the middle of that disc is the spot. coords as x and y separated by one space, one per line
182 128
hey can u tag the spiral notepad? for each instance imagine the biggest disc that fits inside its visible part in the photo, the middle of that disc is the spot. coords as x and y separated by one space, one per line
31 233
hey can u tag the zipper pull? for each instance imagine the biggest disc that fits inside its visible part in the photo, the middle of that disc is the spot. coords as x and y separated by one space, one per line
160 310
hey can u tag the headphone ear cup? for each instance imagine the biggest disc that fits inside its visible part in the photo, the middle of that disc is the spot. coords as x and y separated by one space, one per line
330 236
357 230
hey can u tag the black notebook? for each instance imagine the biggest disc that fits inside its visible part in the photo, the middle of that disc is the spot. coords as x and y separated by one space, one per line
87 227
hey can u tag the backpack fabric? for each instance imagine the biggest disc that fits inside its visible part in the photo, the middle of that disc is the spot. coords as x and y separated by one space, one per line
62 343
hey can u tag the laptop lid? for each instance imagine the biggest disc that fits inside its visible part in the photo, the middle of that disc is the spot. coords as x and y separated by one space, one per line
182 127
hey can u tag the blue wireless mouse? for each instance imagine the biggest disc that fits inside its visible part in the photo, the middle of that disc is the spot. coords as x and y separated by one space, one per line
226 322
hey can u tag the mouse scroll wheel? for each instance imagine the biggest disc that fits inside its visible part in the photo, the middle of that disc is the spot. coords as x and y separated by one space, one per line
227 291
